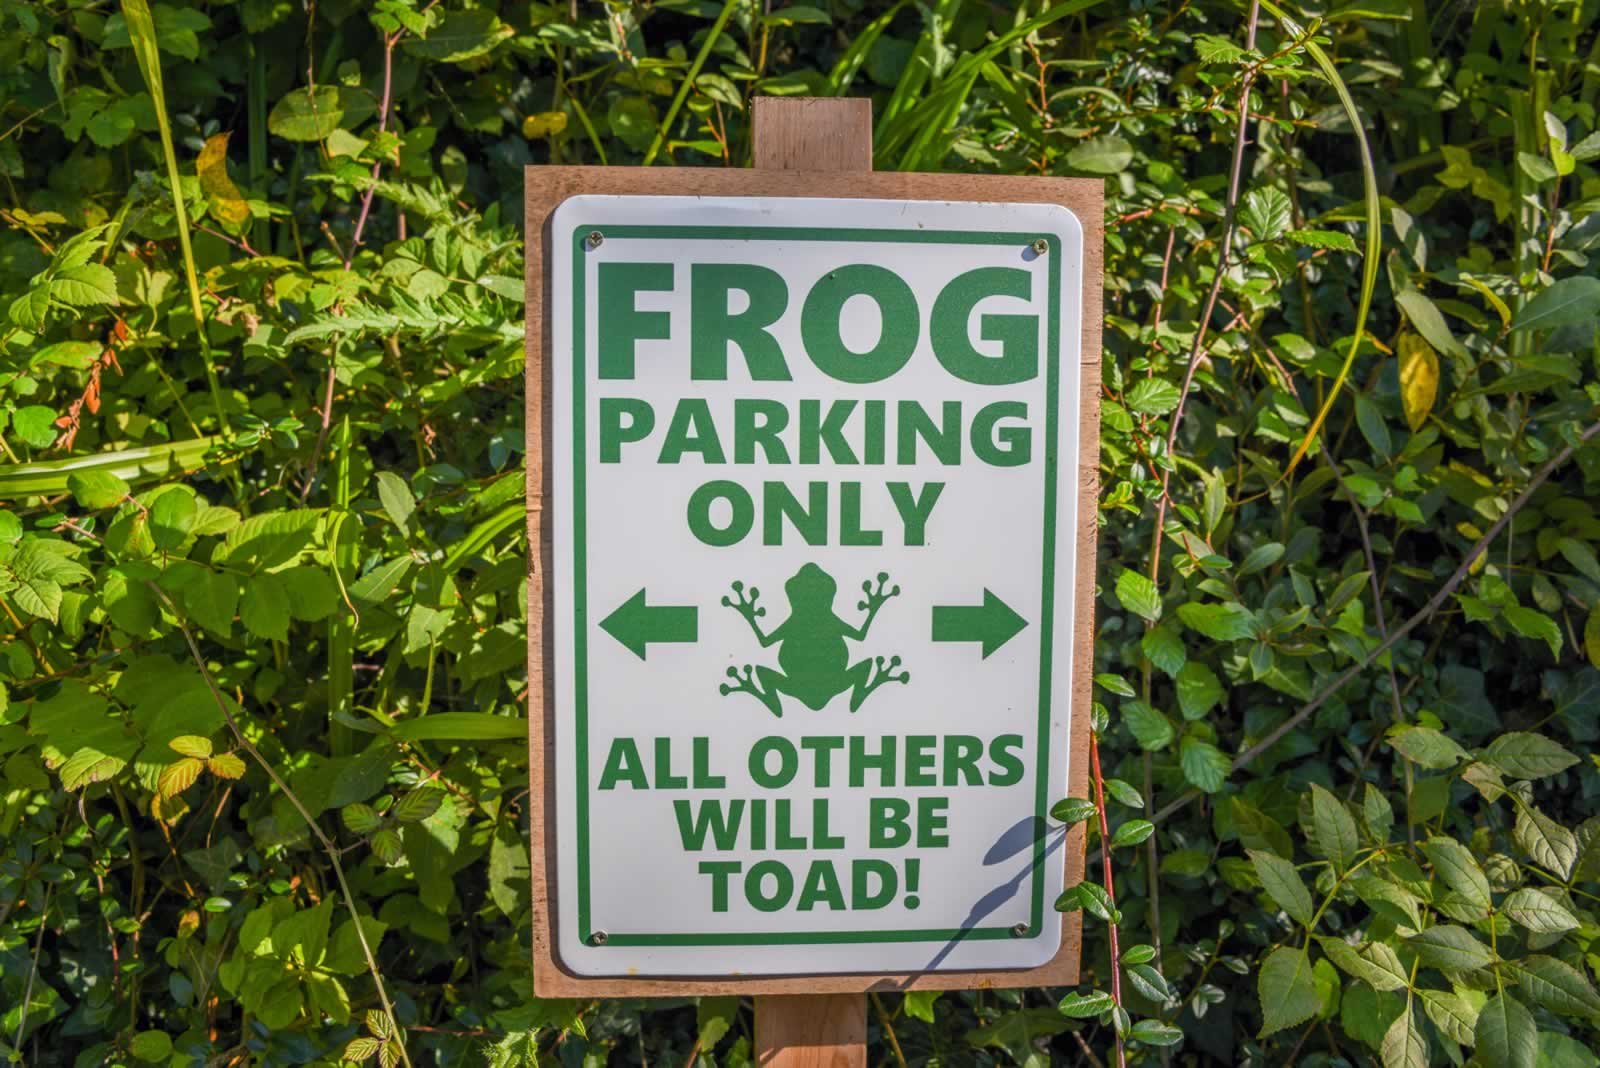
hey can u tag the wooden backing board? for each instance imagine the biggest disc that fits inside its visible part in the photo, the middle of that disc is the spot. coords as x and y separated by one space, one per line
544 189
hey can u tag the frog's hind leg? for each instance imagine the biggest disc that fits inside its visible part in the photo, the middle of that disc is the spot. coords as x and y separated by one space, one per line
747 683
869 674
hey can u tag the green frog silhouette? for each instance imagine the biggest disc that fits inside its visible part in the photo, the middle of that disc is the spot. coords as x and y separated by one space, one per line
812 653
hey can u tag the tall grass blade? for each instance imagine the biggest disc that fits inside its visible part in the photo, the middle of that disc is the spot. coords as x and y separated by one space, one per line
142 32
1374 242
688 79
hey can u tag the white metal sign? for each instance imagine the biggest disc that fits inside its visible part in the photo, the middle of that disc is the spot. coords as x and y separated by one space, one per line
814 524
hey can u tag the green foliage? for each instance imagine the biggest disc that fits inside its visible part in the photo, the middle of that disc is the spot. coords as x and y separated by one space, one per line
260 387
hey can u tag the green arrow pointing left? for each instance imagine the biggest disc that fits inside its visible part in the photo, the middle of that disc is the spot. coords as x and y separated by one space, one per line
637 624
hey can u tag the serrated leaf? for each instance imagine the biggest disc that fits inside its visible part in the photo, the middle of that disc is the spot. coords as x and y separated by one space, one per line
1334 828
96 489
360 818
264 609
1455 864
419 804
1506 1035
85 286
1287 989
1524 755
1450 948
1219 622
179 776
1538 911
191 745
1403 1043
1558 986
1153 396
1205 767
1374 963
396 498
386 845
1549 844
1149 727
1139 595
1426 746
1101 155
1199 690
1452 1014
1283 885
226 766
212 598
1377 813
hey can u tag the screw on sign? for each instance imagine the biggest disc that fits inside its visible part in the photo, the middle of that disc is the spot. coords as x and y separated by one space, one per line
812 461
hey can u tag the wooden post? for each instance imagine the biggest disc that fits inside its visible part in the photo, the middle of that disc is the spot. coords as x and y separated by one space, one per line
812 134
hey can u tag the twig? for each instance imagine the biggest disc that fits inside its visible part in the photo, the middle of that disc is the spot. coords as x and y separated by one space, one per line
1421 616
316 829
38 944
888 1030
1111 889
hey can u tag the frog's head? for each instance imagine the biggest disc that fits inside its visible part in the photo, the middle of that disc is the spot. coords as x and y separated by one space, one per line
811 589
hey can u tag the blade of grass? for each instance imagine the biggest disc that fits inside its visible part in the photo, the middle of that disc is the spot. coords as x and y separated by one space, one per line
1370 255
142 32
688 79
844 71
342 626
150 463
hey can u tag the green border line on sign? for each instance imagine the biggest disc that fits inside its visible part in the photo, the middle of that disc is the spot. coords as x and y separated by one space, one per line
580 592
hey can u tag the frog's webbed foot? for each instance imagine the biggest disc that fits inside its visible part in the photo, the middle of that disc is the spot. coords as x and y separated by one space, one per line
745 604
876 596
745 682
881 671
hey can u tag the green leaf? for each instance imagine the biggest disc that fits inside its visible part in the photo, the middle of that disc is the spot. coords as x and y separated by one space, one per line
1558 986
919 1004
1153 396
1426 317
1219 622
1571 301
1199 690
1073 810
1132 833
1374 963
35 425
1155 1033
1284 885
1538 911
396 498
312 114
1450 948
212 600
1204 765
264 611
151 1046
1101 155
1149 727
191 745
1334 829
1139 595
1532 623
462 727
1452 1014
1426 746
84 286
1082 1006
172 518
1403 1043
1287 990
1377 813
713 1018
312 593
97 489
460 36
1549 844
1266 213
1523 755
1469 887
419 804
1506 1035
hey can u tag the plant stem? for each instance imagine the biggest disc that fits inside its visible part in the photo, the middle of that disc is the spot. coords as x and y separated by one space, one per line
1111 889
688 80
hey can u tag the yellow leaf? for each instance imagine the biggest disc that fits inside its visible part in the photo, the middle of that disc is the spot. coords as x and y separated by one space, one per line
1419 378
1591 636
226 766
544 124
179 776
227 204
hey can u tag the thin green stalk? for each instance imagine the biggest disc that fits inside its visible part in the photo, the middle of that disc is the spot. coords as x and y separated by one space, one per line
688 80
1370 256
341 625
142 33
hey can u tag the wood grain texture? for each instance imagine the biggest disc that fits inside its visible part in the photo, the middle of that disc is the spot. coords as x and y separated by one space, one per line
812 133
547 187
811 1031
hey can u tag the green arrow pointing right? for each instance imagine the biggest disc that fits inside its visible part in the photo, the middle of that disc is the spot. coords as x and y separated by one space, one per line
636 624
992 623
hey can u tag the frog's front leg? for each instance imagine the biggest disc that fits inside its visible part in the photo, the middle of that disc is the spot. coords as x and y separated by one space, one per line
751 682
874 599
745 604
868 675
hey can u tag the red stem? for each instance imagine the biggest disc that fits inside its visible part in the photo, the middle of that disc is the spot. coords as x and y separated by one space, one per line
1111 889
